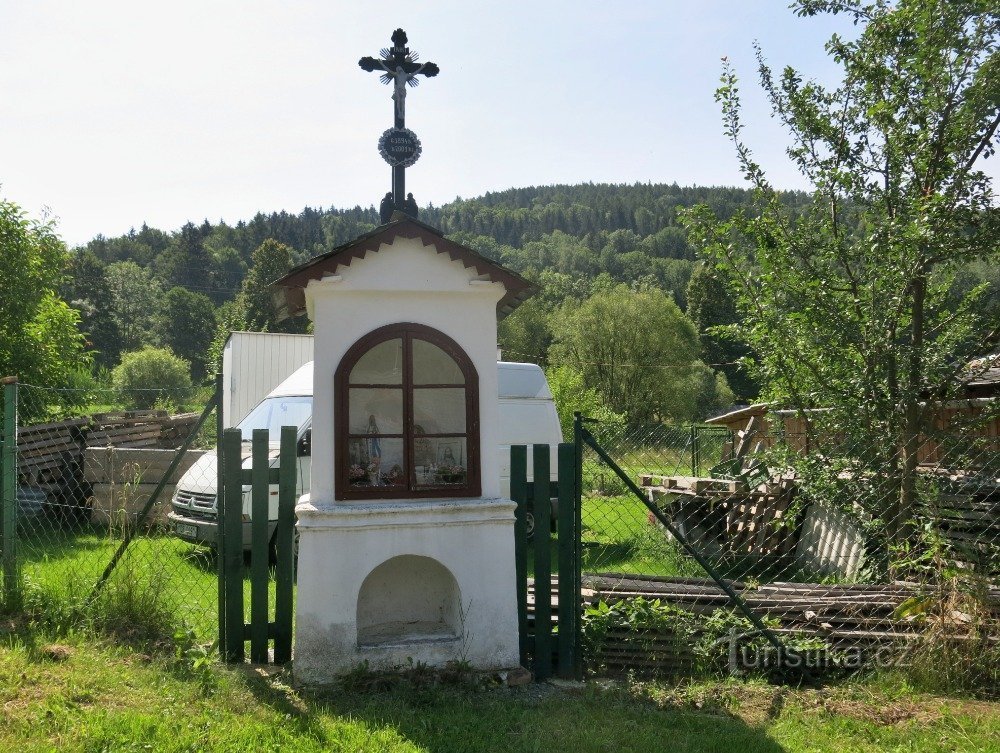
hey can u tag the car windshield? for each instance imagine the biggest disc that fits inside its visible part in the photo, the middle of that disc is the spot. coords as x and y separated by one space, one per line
275 412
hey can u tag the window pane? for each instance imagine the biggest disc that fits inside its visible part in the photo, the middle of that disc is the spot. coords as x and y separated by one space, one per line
383 364
449 462
376 462
376 411
440 410
275 412
431 365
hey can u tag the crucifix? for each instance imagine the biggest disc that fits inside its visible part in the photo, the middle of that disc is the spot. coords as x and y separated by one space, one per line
399 146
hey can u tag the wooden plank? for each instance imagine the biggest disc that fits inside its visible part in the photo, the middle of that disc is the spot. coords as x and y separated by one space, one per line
259 497
103 465
124 433
745 438
117 504
233 533
569 604
519 493
284 569
543 562
128 418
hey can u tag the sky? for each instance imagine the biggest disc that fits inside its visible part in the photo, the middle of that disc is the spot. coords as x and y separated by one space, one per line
116 113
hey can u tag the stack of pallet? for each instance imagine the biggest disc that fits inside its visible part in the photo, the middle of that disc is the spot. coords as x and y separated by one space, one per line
727 517
138 428
122 481
967 514
46 452
49 454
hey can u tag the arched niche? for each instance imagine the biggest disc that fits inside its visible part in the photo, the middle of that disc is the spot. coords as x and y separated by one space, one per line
408 599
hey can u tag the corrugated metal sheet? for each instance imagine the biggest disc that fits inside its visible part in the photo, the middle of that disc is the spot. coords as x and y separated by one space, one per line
253 364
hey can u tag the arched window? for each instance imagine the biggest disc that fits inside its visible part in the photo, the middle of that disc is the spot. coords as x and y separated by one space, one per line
407 417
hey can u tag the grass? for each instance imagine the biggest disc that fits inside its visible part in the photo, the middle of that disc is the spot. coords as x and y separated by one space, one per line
618 537
86 695
67 563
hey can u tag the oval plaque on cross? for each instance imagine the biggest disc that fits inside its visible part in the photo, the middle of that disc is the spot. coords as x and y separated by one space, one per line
400 147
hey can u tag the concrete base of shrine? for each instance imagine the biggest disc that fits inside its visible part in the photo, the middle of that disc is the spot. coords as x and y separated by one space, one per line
385 583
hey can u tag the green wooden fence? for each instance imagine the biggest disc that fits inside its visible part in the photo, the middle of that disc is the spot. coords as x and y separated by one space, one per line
234 632
548 646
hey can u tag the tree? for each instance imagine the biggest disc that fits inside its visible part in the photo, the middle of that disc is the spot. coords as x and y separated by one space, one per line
712 310
152 376
636 349
525 335
40 338
269 262
571 395
846 300
186 324
135 302
86 289
186 261
230 317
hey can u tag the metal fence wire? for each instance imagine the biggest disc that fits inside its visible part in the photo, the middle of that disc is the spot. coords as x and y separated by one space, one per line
98 482
848 556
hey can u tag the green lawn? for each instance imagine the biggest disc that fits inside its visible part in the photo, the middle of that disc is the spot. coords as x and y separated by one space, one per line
619 537
183 576
82 695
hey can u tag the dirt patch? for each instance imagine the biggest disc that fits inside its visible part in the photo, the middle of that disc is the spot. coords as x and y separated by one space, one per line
55 652
886 711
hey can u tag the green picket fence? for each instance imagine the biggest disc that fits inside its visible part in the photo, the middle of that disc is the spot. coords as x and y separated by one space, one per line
234 632
546 644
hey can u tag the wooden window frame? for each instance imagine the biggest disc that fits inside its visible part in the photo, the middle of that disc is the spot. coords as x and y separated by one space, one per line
407 332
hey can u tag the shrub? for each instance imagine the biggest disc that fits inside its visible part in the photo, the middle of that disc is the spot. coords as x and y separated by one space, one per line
147 376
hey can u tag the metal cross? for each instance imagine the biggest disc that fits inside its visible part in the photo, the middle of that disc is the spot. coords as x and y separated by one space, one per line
399 65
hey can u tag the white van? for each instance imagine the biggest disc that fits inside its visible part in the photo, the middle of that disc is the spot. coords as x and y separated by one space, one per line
527 416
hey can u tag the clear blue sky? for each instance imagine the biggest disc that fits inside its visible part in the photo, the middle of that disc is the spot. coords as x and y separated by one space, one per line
114 113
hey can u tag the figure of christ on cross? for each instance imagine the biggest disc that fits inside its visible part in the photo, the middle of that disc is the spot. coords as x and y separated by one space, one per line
400 66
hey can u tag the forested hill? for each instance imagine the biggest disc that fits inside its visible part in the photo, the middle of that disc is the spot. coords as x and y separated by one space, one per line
513 217
519 215
135 289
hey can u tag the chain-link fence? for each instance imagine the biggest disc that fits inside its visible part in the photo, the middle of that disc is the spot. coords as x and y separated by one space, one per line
115 507
855 548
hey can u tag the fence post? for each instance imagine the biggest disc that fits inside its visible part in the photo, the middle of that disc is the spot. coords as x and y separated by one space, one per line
519 493
543 561
8 496
220 513
569 595
695 460
259 496
578 531
232 531
284 569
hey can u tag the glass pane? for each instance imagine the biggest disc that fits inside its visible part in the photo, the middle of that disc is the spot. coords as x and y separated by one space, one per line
274 412
440 461
431 365
383 364
375 463
376 411
439 410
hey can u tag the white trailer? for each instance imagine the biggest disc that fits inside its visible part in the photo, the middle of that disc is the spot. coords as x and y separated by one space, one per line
253 364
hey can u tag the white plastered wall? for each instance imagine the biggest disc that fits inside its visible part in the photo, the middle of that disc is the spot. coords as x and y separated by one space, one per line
404 282
342 542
